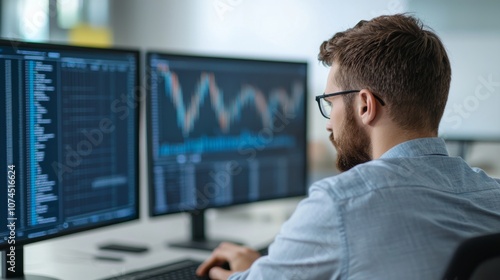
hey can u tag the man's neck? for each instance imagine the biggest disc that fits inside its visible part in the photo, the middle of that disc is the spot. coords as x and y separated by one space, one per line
385 139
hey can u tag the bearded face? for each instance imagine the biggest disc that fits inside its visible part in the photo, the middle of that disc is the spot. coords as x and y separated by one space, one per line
352 143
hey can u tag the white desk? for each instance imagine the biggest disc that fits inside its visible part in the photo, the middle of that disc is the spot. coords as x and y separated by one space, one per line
72 257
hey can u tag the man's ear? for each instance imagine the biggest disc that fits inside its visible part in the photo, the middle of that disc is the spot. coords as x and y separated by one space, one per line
367 107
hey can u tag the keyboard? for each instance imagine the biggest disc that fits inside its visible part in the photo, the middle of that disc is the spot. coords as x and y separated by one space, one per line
181 270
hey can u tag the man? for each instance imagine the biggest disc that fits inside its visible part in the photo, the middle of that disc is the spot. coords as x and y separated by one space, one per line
402 205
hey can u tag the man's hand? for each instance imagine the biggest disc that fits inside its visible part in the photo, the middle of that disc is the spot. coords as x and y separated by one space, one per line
239 258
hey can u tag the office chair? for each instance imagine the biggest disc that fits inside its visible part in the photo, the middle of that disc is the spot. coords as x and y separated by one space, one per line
477 258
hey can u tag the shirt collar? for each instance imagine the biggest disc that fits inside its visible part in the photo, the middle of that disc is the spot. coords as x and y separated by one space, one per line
418 147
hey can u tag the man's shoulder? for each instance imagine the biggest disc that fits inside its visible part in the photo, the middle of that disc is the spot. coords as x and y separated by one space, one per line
404 174
360 180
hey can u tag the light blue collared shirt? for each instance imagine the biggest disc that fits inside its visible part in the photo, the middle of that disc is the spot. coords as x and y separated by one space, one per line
398 217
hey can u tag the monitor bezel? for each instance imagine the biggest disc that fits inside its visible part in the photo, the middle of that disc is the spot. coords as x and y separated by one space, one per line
137 92
150 164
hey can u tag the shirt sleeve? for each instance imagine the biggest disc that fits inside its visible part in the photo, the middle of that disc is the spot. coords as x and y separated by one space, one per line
308 245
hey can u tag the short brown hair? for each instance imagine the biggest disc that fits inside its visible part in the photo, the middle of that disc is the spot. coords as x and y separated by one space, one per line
398 59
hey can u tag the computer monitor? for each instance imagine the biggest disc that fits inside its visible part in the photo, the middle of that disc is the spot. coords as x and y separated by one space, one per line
70 152
222 132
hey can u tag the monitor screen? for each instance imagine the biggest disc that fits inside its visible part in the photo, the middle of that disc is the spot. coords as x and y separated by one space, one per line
224 131
69 154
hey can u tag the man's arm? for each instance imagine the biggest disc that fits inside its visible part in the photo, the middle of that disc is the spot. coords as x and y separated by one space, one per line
307 247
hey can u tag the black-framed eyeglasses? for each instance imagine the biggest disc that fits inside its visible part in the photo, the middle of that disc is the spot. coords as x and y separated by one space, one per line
325 106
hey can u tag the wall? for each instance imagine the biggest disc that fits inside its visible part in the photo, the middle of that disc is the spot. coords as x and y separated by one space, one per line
470 31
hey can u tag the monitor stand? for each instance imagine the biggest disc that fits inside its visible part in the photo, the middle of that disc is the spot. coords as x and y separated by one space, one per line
198 238
13 265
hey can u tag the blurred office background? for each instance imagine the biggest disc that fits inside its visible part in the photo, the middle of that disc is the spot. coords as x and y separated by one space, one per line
283 29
